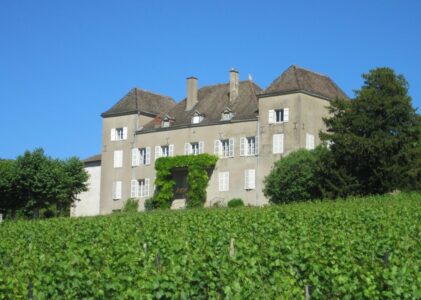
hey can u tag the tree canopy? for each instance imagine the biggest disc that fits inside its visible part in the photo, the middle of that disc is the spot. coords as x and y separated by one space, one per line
35 181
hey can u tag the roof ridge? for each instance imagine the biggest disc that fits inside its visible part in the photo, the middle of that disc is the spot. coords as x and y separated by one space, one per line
311 71
149 92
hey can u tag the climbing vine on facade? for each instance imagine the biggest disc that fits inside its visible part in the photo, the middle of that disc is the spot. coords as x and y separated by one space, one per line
198 167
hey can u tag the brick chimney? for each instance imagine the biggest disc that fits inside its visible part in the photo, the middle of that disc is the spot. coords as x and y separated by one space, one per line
234 85
191 92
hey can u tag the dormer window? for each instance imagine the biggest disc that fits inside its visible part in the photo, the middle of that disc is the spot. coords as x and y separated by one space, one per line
196 118
166 121
226 114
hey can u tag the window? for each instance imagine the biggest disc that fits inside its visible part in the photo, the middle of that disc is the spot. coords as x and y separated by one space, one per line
278 143
165 123
226 116
249 179
223 178
194 148
248 146
139 188
278 115
141 156
116 190
224 147
118 134
118 158
164 151
196 119
309 141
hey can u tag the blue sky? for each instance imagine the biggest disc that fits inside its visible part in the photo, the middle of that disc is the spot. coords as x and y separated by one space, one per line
62 63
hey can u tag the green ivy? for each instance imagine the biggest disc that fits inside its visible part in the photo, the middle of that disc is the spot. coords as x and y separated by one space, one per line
198 167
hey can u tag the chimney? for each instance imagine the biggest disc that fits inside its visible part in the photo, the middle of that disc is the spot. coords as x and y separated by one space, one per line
234 84
191 92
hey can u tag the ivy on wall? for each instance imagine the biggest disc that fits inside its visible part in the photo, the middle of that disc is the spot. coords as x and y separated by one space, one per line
198 167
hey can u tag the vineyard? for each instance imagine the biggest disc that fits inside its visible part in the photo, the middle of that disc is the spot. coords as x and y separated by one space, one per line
360 248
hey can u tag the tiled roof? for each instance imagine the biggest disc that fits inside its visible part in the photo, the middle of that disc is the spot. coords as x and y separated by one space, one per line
138 100
298 79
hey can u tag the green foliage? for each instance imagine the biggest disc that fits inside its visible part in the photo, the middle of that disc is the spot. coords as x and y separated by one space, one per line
35 182
356 249
375 139
131 205
294 177
150 204
198 167
235 202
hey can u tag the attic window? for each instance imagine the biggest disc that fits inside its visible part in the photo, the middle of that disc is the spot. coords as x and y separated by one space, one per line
226 116
197 118
165 123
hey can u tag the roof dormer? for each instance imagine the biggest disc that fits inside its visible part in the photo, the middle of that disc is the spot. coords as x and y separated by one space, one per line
197 117
166 121
227 114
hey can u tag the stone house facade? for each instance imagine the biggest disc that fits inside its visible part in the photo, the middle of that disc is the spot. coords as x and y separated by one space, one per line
249 128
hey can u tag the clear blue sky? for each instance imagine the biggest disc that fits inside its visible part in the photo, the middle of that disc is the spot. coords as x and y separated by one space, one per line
62 63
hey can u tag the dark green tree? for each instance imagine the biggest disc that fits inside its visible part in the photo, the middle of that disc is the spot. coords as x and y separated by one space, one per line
7 189
374 139
293 177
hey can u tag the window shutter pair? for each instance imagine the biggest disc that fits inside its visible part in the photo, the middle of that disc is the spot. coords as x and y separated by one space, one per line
249 179
118 158
309 141
223 178
272 116
114 134
278 143
135 157
116 190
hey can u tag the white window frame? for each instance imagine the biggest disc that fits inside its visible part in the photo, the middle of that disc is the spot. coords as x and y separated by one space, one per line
116 190
224 147
194 148
118 158
118 133
249 179
310 141
145 156
278 143
223 181
139 188
159 151
274 113
196 119
249 146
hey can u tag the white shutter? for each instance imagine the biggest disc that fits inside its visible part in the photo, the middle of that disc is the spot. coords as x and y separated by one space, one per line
114 190
246 179
135 157
252 179
171 150
112 134
243 142
148 156
146 187
118 158
231 148
118 190
278 143
220 181
201 147
309 141
124 133
158 152
271 116
286 114
227 181
217 147
187 149
133 188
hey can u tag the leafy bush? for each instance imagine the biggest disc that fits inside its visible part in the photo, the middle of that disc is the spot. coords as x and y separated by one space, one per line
130 205
236 202
294 177
150 204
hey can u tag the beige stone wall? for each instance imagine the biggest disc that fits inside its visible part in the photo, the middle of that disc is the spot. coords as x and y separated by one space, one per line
89 201
305 116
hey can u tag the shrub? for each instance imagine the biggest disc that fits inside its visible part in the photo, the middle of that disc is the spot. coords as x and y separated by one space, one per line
130 205
150 204
236 202
293 178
